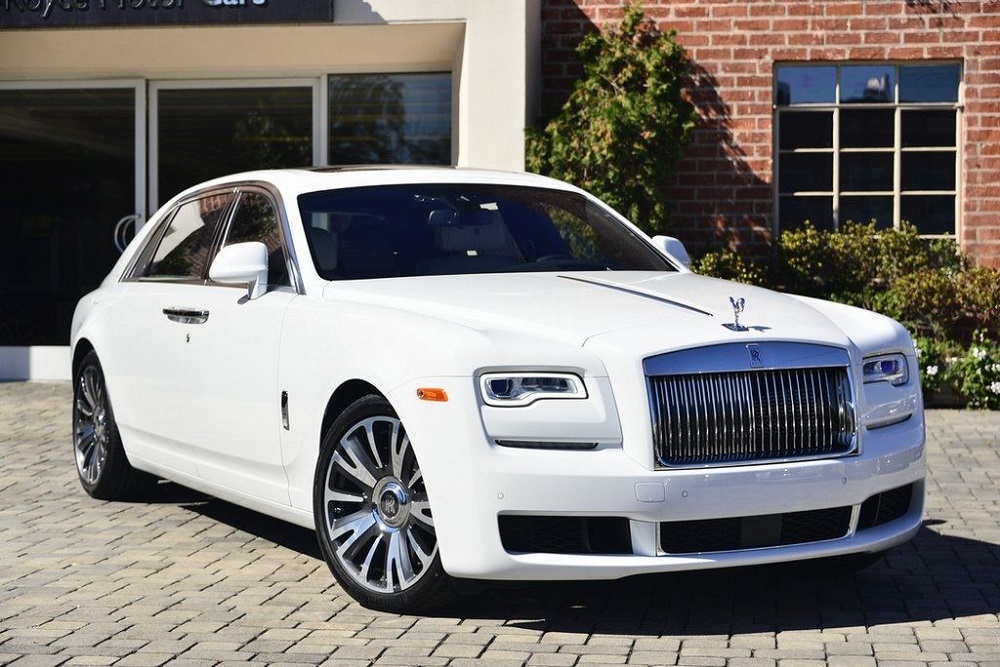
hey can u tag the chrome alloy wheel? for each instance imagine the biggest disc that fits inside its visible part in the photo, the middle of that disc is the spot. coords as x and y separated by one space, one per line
375 507
91 425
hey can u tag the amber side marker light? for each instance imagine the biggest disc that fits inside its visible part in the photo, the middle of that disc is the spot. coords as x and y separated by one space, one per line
432 394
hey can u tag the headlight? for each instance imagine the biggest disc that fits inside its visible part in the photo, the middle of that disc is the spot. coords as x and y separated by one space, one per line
517 389
889 368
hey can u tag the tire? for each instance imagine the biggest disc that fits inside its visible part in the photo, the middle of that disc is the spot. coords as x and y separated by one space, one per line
373 517
101 464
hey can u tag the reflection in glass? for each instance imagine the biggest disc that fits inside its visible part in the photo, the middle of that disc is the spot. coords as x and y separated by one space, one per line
794 211
866 84
255 219
805 129
866 172
928 128
67 164
806 172
929 83
806 85
866 209
183 250
931 214
390 119
206 133
866 128
928 171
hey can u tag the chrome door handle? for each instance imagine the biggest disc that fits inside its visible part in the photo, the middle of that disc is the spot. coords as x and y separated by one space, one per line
186 315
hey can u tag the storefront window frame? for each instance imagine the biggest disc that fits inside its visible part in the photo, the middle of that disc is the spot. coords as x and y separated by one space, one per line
155 86
138 86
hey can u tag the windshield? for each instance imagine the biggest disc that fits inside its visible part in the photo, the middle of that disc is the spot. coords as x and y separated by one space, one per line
420 230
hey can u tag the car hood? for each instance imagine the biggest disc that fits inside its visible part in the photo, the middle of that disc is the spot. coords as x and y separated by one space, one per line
646 312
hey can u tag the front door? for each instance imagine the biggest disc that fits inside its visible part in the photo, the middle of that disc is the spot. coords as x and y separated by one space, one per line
231 366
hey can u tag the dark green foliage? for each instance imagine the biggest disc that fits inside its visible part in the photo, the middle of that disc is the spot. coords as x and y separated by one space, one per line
625 125
951 307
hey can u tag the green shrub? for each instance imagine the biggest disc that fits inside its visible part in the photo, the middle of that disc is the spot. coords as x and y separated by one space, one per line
729 264
951 307
626 123
975 374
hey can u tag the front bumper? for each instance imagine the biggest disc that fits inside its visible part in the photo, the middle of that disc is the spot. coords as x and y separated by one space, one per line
473 482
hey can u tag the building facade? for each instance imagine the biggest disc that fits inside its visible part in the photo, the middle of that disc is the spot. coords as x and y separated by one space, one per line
110 107
819 110
824 110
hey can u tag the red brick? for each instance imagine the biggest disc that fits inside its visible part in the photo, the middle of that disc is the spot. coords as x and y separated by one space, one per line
736 44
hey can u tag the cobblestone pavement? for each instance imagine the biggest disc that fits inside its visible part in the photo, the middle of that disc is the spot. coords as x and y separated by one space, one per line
190 580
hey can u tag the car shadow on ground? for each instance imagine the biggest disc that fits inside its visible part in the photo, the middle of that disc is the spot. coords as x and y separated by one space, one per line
934 577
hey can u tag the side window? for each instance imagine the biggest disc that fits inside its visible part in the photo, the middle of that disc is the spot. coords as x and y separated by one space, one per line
184 248
255 219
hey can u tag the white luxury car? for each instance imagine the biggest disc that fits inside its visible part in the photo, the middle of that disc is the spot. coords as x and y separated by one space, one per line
455 374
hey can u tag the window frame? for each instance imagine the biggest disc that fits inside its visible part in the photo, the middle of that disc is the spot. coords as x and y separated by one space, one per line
837 192
143 256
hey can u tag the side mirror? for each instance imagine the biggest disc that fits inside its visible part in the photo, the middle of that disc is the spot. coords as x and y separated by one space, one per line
674 249
242 263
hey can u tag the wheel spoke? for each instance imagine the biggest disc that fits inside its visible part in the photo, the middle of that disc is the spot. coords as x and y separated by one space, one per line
356 522
87 445
420 510
337 496
357 465
418 550
84 407
358 525
365 570
397 561
91 388
400 447
96 466
372 444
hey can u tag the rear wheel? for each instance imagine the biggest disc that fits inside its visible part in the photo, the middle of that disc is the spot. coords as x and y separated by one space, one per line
373 516
101 464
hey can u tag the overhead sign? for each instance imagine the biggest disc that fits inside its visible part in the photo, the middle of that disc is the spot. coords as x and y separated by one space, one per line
94 13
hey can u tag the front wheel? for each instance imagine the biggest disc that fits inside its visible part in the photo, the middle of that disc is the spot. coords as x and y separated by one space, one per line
373 516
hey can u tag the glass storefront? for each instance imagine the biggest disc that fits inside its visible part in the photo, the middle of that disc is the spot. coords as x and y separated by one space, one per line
390 119
206 133
71 170
67 176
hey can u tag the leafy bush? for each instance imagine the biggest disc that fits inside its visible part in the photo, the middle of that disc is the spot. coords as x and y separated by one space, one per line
976 374
951 307
626 123
729 264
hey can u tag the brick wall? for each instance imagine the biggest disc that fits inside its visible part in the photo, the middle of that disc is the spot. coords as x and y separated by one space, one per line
724 189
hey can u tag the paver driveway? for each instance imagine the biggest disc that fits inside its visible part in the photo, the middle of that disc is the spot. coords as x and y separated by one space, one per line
190 580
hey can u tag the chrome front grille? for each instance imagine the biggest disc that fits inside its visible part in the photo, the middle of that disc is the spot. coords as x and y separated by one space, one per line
751 416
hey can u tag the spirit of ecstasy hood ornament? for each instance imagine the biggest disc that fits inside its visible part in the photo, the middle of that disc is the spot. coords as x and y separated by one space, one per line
738 306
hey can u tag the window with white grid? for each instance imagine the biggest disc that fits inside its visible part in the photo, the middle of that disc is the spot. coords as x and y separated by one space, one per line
867 141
